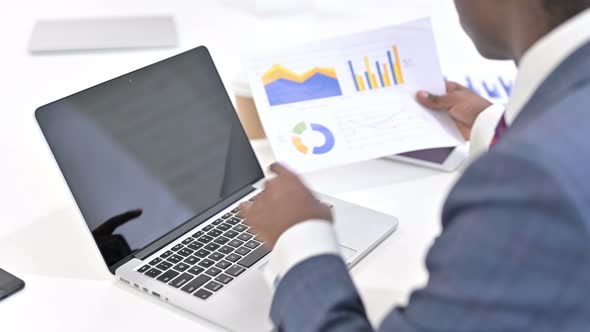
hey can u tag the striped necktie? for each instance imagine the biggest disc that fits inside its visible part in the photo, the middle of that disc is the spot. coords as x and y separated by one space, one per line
500 129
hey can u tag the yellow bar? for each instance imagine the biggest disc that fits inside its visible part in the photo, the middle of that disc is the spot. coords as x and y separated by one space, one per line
371 75
386 75
398 66
374 81
361 83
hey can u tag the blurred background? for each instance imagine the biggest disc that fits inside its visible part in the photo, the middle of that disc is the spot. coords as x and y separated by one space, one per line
229 28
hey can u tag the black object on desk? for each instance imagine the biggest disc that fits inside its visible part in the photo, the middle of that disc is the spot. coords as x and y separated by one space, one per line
9 284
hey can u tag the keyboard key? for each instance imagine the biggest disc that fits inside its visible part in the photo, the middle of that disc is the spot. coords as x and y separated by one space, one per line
175 258
254 256
216 256
202 253
177 247
208 228
213 286
230 224
236 210
198 234
196 270
224 227
144 268
166 254
164 266
252 244
205 239
235 270
227 215
167 276
212 246
243 251
213 271
251 232
240 228
215 233
235 243
224 278
181 280
226 250
187 240
223 264
196 283
231 234
195 245
233 258
152 273
181 267
221 240
245 237
202 294
233 221
185 252
206 263
191 260
155 261
217 222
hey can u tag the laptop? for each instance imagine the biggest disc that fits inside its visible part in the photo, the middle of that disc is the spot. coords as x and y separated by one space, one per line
158 163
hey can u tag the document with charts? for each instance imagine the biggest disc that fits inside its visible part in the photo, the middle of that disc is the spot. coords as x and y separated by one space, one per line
351 98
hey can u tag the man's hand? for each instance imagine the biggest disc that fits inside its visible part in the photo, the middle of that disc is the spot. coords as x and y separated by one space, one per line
462 104
284 202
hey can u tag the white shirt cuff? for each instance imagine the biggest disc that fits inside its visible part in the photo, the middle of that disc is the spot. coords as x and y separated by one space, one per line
300 242
484 129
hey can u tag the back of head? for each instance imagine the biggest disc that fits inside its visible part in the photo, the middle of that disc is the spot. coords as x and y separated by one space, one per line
562 10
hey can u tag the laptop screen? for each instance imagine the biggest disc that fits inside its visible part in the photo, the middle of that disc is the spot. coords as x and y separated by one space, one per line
148 151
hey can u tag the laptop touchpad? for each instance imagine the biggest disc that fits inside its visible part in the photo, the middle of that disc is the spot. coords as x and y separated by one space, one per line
346 253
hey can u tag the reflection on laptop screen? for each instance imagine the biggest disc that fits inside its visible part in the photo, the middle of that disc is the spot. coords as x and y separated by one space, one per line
147 151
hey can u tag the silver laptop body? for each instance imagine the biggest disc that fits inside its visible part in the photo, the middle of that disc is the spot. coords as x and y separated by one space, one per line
157 163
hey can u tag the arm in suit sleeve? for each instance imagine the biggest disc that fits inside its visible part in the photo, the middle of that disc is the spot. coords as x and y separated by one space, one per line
511 255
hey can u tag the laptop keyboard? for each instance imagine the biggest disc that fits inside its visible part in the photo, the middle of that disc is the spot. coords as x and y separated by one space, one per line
203 263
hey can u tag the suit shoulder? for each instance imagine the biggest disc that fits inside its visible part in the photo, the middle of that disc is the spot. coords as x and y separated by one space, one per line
551 148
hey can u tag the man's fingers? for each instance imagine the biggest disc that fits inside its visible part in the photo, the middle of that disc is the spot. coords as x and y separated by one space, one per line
245 208
435 102
453 86
279 169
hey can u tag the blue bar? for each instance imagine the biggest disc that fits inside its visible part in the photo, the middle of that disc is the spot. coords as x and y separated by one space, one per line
392 67
471 86
506 85
493 91
353 76
380 74
369 81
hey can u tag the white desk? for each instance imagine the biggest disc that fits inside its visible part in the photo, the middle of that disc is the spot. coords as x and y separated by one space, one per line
40 233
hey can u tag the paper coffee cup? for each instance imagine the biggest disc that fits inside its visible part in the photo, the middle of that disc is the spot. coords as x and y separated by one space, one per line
246 108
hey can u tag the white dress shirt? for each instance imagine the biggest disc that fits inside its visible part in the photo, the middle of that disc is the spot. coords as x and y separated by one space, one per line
315 237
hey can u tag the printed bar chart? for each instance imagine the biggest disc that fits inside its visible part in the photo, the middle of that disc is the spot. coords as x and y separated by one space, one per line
382 75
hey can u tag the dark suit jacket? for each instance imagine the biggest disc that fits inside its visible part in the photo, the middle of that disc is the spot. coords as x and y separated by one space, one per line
514 254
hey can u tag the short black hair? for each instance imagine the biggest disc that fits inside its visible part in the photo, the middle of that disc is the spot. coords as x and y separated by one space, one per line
563 10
